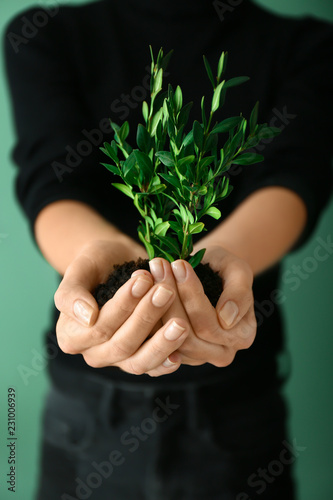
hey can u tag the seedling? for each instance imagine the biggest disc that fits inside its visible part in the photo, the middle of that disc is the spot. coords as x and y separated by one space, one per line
176 175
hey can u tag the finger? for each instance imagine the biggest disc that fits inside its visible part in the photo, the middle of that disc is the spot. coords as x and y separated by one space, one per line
237 296
135 330
203 317
192 304
113 314
198 307
155 355
162 273
243 334
194 350
73 296
170 365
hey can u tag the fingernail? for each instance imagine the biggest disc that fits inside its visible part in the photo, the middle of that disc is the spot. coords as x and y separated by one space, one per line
174 331
229 312
83 311
157 269
161 297
179 271
167 363
141 287
138 272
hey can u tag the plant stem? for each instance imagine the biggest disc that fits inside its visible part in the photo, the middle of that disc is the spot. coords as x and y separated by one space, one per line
184 246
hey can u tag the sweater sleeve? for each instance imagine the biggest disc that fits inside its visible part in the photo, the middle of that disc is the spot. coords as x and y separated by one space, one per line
300 157
49 116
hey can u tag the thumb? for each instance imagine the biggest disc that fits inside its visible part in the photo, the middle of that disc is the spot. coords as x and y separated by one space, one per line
73 296
237 296
237 277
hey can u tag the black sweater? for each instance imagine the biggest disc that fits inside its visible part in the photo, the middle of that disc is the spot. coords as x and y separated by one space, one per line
71 68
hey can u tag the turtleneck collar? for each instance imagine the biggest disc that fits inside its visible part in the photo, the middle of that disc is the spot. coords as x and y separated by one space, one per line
182 9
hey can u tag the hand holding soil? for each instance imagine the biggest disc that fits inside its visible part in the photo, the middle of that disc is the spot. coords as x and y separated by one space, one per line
215 333
116 335
136 329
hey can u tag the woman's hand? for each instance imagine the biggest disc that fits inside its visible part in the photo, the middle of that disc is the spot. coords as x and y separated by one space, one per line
117 335
216 334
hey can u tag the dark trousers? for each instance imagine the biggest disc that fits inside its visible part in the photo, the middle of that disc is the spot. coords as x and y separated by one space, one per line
110 441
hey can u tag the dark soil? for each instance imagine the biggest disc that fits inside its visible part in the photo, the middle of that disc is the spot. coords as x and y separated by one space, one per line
211 281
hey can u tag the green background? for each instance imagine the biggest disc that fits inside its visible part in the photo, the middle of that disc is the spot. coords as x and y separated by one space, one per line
28 284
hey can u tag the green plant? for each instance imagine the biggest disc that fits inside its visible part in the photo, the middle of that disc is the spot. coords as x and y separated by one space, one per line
175 177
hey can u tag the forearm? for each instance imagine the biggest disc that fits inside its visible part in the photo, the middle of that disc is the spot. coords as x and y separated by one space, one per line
262 229
64 227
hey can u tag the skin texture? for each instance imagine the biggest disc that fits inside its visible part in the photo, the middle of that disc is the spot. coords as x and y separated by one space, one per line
83 247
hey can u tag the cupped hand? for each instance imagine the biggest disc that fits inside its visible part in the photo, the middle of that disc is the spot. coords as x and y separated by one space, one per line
120 333
216 334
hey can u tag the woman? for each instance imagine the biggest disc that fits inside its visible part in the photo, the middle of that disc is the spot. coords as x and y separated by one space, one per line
210 421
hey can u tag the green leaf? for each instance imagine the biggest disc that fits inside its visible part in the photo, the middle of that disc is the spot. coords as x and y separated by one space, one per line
221 65
158 189
189 215
213 212
244 125
171 179
137 205
203 113
179 137
145 111
226 125
184 114
166 60
150 221
130 171
170 243
198 134
178 99
156 180
238 80
149 247
195 228
161 229
195 259
254 117
248 159
114 126
188 139
225 190
159 58
267 132
209 71
112 168
109 151
178 229
165 111
216 97
171 129
235 143
155 121
202 190
205 162
152 55
124 189
145 165
211 143
166 158
222 98
166 255
187 160
143 139
158 81
123 132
